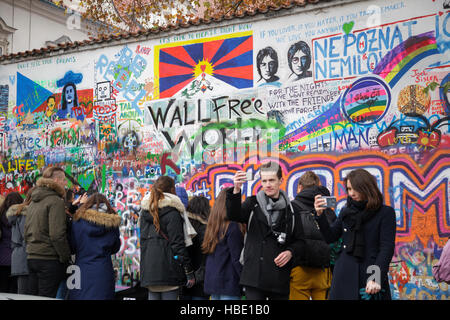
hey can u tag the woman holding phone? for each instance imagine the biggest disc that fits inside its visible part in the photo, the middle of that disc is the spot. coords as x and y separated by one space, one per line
367 228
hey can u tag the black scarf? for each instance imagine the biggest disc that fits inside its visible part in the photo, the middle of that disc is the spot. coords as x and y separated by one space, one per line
307 196
355 215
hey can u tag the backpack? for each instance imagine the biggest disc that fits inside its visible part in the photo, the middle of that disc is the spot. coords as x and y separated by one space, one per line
441 271
317 252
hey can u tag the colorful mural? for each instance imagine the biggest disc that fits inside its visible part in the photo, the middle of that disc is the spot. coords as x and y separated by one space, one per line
360 85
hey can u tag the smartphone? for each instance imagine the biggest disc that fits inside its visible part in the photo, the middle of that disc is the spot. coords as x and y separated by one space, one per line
250 176
331 202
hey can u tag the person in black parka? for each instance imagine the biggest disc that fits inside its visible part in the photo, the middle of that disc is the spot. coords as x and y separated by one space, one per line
311 276
274 236
198 210
368 231
165 264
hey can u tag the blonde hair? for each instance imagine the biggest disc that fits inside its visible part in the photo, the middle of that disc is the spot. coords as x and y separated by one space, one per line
309 179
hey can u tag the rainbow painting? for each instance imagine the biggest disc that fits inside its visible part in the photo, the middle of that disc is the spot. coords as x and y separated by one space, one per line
366 101
227 58
400 59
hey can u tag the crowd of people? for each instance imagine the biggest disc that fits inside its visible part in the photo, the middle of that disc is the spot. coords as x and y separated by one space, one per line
266 247
47 232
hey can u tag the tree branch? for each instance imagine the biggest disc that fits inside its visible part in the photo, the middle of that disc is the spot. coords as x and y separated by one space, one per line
131 22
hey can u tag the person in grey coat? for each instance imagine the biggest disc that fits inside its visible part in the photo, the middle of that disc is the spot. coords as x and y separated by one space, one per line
16 216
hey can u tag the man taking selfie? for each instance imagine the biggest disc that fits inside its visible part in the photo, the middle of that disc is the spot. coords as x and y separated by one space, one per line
274 234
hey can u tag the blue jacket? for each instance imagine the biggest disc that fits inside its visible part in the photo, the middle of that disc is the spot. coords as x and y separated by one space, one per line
94 238
349 274
223 269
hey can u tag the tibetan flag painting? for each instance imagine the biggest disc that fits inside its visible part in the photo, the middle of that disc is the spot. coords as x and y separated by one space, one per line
194 67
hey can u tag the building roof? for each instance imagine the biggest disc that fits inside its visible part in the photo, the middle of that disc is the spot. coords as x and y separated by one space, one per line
248 12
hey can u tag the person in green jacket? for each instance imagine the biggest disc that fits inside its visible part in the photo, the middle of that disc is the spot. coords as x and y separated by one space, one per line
47 246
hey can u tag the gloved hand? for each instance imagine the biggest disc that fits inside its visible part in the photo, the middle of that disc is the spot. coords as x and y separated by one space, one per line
189 272
190 279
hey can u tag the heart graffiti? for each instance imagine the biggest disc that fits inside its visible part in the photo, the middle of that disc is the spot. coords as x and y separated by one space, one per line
347 27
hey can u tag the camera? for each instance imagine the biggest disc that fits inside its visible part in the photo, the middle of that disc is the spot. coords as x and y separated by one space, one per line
331 202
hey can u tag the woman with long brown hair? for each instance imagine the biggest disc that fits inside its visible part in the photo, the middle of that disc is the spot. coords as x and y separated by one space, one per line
223 243
94 238
165 264
367 227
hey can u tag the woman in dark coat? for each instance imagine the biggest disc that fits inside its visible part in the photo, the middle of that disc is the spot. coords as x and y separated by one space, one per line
223 243
8 283
198 209
368 230
94 238
165 264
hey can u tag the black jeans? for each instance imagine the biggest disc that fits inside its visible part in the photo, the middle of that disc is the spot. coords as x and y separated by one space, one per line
45 277
8 283
22 285
252 293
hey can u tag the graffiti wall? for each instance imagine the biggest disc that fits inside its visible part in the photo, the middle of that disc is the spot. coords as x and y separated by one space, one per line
361 85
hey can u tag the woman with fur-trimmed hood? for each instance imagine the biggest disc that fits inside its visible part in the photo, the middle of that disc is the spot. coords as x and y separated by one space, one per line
16 215
94 238
165 263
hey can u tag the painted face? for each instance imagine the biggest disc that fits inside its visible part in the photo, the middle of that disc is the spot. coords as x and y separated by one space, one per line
130 142
267 67
299 60
70 94
103 91
271 183
355 195
51 105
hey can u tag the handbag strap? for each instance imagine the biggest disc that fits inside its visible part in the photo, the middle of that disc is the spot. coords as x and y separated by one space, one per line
161 233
